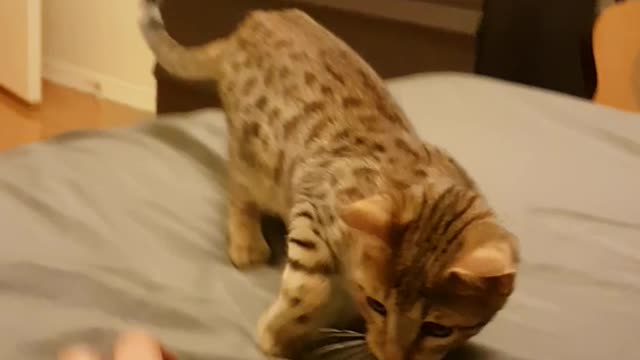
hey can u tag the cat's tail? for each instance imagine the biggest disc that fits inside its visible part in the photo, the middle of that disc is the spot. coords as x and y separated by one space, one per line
189 63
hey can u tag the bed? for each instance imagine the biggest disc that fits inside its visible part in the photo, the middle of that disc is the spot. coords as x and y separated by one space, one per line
125 228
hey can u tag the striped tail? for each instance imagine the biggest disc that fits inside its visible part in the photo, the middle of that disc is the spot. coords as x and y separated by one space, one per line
188 63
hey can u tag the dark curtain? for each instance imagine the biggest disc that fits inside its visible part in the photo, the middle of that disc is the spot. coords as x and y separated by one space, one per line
544 43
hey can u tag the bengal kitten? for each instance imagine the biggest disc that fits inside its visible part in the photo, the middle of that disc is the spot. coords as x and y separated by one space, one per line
317 139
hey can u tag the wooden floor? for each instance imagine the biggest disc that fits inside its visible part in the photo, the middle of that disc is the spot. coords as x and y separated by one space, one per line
62 110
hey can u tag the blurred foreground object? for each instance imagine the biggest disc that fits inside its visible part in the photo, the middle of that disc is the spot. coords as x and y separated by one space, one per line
132 345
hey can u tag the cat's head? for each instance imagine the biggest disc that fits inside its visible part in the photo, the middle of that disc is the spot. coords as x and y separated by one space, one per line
431 267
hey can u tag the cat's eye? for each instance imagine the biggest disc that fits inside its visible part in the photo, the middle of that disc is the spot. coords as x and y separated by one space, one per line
431 329
376 306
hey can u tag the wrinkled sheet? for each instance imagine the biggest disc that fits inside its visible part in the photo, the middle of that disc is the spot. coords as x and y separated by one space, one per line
126 228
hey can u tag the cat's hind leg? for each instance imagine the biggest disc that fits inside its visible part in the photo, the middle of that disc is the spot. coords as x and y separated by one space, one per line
246 245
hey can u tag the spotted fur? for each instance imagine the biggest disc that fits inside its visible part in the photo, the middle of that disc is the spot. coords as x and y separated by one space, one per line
316 138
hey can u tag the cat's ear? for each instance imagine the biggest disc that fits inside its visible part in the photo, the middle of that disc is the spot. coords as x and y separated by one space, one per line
377 214
490 265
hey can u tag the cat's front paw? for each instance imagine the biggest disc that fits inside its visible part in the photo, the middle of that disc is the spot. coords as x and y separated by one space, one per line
267 342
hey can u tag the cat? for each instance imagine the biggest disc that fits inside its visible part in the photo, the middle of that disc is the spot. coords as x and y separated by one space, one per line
315 138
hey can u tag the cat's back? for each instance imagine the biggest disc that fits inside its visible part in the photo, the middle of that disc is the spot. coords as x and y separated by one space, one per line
288 37
289 45
288 66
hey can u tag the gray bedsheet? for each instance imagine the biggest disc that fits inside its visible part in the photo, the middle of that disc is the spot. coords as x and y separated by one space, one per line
125 228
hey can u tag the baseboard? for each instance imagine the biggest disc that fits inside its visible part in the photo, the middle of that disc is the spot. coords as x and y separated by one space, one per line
100 85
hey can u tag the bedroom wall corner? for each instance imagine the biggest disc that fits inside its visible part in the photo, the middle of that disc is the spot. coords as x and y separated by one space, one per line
96 47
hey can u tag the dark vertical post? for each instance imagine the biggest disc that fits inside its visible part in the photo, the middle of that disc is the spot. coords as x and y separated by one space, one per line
544 43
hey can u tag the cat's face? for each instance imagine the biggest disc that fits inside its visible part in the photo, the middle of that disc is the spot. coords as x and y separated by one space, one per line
429 281
423 325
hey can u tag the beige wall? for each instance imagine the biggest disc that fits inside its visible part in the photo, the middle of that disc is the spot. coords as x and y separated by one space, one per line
95 46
